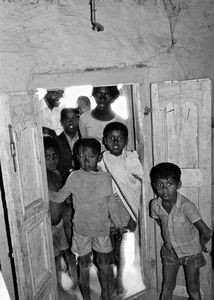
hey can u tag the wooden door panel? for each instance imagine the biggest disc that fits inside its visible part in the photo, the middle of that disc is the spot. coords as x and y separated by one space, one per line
181 121
30 172
27 196
37 248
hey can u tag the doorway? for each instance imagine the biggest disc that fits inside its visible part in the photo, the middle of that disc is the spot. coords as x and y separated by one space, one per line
123 106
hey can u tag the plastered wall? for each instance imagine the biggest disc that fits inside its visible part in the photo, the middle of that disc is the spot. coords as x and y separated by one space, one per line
50 43
168 40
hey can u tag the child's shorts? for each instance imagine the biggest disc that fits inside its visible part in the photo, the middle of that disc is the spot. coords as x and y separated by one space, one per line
171 258
82 245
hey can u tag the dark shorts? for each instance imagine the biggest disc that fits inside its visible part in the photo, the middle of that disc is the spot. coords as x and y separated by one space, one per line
171 258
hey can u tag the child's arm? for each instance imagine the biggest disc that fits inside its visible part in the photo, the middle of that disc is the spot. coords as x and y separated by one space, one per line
152 211
205 233
67 215
62 194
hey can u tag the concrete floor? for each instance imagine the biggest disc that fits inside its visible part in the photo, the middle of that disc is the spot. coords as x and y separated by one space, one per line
145 295
132 270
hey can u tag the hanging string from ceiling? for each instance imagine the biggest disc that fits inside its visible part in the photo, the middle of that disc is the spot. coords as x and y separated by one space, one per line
95 26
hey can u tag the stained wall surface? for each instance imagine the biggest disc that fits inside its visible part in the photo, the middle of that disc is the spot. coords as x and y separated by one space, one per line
170 40
151 40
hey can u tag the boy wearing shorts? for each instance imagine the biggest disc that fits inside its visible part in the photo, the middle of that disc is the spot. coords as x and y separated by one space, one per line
183 231
93 197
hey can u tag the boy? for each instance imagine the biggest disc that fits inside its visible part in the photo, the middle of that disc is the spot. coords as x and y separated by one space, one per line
127 173
60 220
183 231
92 201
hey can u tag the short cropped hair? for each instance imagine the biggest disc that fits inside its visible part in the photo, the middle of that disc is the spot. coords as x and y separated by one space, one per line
55 92
113 90
164 170
115 126
84 100
64 112
50 142
87 142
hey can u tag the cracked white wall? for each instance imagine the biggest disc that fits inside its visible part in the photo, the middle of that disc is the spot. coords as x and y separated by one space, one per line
173 39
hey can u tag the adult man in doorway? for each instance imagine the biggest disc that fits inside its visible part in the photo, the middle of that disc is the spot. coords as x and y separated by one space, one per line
50 112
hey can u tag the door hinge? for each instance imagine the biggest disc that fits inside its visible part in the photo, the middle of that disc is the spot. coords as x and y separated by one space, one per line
147 110
12 146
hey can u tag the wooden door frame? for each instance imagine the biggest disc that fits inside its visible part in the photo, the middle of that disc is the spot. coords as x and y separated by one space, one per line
134 77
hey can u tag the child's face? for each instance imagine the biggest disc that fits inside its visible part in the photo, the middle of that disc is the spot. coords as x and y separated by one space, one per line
166 188
70 123
115 142
51 159
88 158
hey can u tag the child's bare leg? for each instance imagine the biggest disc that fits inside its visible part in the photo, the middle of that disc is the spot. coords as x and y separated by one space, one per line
111 279
170 272
119 279
193 282
102 262
119 262
71 265
84 265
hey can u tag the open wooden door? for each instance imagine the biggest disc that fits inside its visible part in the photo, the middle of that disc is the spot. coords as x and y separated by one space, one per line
25 185
181 119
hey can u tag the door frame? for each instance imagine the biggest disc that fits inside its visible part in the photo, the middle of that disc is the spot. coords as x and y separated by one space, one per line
138 78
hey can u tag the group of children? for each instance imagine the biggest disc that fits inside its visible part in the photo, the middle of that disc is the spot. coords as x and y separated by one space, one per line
106 194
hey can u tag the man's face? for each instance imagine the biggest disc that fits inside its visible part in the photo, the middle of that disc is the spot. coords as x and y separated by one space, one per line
70 123
53 97
103 99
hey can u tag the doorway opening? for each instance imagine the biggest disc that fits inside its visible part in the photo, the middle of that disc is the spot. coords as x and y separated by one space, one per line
133 277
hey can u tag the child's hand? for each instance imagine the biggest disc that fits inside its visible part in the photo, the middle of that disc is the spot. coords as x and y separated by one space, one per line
52 195
204 249
120 234
132 225
68 201
203 244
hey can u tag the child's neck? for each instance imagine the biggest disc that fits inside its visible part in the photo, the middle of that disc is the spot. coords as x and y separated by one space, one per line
91 171
168 205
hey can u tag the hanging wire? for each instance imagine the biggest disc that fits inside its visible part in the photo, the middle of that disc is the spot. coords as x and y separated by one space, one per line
95 26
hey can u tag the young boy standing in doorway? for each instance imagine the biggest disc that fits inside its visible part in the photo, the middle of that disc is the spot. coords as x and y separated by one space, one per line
126 172
93 197
183 231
